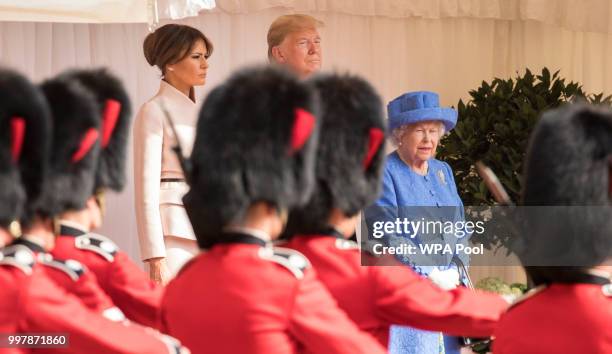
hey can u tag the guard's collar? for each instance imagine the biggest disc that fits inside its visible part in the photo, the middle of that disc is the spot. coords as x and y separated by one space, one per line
31 243
236 237
238 234
248 231
69 228
331 232
591 276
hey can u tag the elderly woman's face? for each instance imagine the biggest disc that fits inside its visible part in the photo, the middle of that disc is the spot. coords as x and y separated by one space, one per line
420 140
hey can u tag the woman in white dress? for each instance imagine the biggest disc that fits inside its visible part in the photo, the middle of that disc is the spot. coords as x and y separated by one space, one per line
166 237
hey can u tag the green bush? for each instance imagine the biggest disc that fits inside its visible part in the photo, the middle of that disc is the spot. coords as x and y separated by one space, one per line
494 285
494 127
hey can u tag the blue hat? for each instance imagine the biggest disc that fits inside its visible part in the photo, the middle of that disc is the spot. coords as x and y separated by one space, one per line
414 107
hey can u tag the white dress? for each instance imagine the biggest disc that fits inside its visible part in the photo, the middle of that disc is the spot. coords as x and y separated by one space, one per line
164 229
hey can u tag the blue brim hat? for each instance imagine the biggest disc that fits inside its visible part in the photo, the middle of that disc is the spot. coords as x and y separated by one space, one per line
415 107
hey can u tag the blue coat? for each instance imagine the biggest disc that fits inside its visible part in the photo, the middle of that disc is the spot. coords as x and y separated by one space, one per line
402 187
407 194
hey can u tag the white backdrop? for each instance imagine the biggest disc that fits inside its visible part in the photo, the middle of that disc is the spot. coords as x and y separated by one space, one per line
448 46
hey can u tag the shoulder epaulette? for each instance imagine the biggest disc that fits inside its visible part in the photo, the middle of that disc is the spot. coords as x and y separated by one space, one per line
18 256
74 269
343 244
114 314
607 290
528 295
99 244
293 260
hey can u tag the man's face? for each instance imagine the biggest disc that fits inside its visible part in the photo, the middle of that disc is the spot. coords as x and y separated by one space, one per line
301 51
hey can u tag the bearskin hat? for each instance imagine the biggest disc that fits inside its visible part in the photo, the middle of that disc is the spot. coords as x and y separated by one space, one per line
255 141
350 156
568 174
24 146
75 146
115 112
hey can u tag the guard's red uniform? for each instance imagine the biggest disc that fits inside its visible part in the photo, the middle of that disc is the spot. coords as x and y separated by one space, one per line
31 302
129 288
12 279
375 297
244 297
75 279
561 318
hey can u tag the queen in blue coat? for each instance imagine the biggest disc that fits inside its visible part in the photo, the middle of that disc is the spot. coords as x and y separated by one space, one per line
413 177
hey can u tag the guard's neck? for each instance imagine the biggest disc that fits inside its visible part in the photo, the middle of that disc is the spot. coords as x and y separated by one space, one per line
260 219
41 232
343 224
78 219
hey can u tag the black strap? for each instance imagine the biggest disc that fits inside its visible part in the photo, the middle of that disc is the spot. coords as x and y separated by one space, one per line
70 231
331 232
235 237
462 270
563 275
32 246
584 278
172 180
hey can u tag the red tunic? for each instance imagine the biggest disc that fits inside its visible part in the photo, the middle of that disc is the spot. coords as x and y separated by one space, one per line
561 318
246 297
31 302
12 279
376 297
129 288
75 279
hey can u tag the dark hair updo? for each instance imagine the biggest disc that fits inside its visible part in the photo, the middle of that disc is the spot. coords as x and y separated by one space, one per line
171 43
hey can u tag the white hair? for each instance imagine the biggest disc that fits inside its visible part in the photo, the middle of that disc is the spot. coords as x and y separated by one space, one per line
398 133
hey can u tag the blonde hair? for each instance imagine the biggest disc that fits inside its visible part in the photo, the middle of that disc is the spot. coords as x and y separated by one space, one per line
286 24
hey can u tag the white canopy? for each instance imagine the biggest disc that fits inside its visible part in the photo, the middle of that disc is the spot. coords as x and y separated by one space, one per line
576 15
100 11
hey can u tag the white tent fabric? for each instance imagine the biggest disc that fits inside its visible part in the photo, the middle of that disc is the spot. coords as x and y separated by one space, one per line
177 9
100 11
447 54
581 15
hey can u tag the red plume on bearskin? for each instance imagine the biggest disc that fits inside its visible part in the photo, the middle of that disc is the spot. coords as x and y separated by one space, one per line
75 145
255 141
114 113
351 153
24 147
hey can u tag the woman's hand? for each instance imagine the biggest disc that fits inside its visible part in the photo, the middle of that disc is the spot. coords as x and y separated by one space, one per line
158 270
